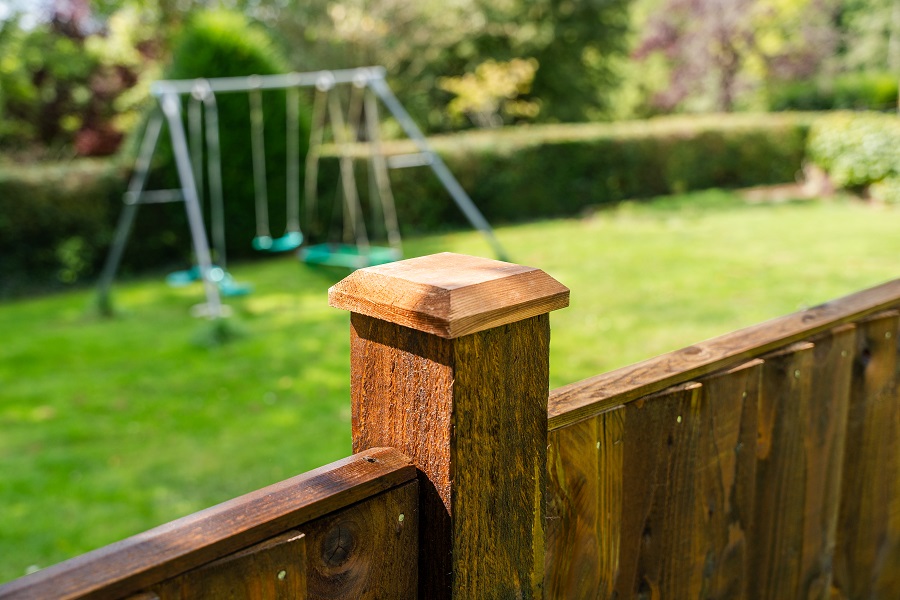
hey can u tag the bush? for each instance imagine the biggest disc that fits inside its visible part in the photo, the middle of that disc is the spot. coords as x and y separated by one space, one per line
858 91
55 222
538 171
225 44
856 149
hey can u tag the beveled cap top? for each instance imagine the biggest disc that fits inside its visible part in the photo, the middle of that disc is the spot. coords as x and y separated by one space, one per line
449 295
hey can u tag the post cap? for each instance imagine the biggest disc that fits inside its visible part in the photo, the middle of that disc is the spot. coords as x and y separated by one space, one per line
449 295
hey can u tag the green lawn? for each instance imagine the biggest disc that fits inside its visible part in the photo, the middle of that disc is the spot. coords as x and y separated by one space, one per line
109 427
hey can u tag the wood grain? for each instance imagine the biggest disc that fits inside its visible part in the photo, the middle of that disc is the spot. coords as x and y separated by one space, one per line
272 570
169 550
824 435
802 417
580 400
471 413
654 499
867 561
368 551
584 507
449 295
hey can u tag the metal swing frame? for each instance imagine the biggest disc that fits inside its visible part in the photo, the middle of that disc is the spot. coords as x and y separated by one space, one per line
168 95
355 251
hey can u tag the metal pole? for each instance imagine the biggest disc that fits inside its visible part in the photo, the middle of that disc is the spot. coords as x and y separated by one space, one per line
126 218
171 107
380 87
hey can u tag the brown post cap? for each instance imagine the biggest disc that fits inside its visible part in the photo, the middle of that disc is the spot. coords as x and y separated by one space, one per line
449 295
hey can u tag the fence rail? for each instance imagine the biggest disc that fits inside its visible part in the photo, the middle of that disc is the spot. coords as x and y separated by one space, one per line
761 464
329 533
591 396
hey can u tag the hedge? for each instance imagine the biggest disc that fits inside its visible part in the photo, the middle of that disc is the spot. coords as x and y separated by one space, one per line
56 222
855 91
541 171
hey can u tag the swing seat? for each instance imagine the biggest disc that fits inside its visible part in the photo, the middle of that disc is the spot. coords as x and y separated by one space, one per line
287 242
226 283
345 255
183 278
230 288
223 280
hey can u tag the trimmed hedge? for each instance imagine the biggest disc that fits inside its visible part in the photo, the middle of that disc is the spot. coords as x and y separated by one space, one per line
56 222
540 171
856 91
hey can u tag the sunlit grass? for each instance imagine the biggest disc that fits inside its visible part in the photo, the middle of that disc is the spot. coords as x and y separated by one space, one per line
113 426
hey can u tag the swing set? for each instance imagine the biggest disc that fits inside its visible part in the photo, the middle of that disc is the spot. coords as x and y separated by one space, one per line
367 85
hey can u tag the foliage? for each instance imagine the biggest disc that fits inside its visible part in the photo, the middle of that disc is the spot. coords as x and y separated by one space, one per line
871 35
719 50
113 427
65 87
858 91
574 44
530 172
55 222
492 91
227 44
512 174
856 149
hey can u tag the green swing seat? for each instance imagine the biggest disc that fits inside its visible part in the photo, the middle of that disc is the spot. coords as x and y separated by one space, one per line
223 280
289 241
348 256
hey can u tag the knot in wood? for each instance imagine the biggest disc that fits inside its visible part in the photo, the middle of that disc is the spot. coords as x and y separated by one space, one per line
338 545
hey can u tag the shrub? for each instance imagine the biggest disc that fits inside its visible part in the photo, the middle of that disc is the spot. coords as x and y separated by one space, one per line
226 44
856 149
55 222
537 171
858 91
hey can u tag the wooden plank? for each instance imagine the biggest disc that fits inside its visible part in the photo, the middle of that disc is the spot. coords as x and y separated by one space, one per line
660 501
272 570
687 488
169 550
472 414
584 507
449 295
824 434
367 551
728 409
784 477
867 561
580 400
655 498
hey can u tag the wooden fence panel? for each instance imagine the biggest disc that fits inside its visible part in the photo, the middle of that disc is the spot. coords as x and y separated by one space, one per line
867 562
780 470
653 499
349 510
272 570
367 551
584 507
824 442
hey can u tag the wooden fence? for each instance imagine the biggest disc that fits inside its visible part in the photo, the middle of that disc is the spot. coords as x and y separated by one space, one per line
763 464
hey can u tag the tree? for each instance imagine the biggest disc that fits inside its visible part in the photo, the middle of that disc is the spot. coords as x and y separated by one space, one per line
573 42
719 49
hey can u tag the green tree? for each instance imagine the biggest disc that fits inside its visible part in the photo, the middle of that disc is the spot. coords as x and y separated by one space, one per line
573 42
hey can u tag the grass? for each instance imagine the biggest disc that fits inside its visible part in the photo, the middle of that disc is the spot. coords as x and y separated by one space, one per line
110 427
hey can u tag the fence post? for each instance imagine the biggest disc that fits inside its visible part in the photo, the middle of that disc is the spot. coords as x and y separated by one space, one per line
449 364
